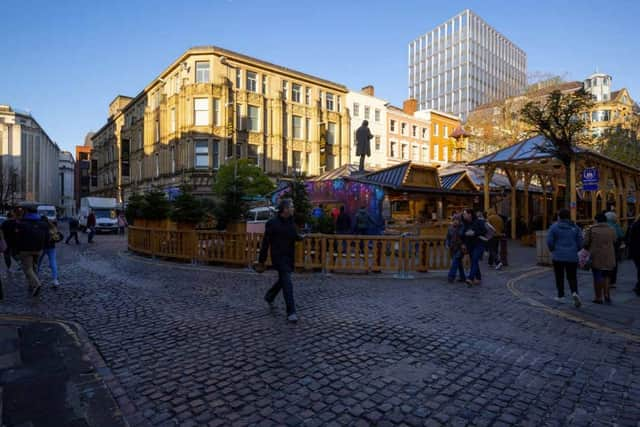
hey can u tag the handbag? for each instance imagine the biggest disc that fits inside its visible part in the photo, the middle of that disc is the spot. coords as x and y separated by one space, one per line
584 259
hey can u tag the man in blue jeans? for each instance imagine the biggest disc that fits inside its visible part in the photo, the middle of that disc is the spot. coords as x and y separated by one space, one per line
280 236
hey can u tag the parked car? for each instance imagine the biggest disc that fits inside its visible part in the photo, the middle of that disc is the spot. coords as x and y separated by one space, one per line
258 217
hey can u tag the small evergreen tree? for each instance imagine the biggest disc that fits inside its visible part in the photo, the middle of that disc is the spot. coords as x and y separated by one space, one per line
134 207
301 203
156 205
186 207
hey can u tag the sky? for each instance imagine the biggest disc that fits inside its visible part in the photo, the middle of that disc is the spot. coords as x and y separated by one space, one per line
65 61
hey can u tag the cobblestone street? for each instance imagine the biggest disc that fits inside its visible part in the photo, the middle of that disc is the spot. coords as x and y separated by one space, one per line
195 345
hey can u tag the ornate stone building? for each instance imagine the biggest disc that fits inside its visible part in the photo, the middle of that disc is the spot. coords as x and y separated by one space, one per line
212 105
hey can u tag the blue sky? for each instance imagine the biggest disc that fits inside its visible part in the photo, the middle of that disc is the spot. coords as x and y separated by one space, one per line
66 60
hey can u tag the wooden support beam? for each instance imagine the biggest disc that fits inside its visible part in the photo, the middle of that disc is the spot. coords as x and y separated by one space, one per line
526 182
488 175
513 180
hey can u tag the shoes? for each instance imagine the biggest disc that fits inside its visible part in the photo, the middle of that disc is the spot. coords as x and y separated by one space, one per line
469 283
607 300
561 300
477 282
499 266
271 304
597 301
36 291
292 318
462 280
55 283
576 300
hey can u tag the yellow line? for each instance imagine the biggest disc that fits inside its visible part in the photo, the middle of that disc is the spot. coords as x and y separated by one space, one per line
512 286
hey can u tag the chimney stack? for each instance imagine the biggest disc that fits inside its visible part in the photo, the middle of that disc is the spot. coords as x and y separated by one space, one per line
410 106
368 90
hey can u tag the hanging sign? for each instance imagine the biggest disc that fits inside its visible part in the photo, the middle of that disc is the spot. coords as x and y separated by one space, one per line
590 179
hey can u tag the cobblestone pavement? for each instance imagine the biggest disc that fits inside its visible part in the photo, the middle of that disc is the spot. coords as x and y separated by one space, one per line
198 346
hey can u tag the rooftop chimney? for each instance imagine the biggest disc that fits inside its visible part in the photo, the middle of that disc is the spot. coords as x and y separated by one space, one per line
410 106
368 90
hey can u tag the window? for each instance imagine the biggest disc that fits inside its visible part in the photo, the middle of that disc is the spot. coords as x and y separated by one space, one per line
446 131
307 128
377 143
201 109
172 119
445 152
253 116
331 133
202 71
367 112
216 112
285 125
330 101
157 131
296 92
405 152
216 154
202 154
239 118
307 96
436 129
297 127
172 153
403 128
252 81
414 131
297 161
425 154
425 135
356 109
393 150
264 85
377 115
415 153
436 152
252 154
238 78
285 89
157 157
392 125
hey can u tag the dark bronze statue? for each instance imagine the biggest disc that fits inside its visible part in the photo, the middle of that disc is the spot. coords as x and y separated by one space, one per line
363 141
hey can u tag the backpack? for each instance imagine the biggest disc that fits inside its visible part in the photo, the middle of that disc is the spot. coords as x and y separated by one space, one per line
31 236
362 221
489 233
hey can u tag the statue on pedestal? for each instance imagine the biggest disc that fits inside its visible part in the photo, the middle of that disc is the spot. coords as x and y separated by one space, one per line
363 141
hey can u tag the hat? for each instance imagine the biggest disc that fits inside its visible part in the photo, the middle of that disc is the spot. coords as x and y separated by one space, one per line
611 216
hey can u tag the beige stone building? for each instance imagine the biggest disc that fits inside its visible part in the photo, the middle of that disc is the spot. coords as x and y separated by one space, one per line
212 105
28 160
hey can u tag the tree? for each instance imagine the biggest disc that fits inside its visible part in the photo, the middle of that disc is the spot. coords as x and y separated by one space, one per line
8 187
134 207
622 145
250 178
186 207
557 118
301 203
156 205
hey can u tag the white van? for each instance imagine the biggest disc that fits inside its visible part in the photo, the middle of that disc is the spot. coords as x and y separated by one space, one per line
104 208
48 211
258 217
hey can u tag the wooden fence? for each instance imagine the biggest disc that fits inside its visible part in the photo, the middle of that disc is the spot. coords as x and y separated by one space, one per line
324 252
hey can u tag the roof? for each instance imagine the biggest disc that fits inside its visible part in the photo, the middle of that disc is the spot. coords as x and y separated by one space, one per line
341 172
530 150
393 176
476 175
448 181
459 131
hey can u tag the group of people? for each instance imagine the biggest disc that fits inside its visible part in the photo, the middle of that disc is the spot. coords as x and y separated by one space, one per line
28 238
470 234
361 224
599 248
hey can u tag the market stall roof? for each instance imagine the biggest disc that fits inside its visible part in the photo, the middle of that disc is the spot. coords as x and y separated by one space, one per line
458 181
341 172
530 153
476 175
405 174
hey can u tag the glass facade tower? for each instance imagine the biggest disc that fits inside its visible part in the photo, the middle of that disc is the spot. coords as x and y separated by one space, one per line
464 63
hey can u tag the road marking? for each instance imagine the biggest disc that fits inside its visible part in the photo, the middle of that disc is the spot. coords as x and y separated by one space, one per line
512 285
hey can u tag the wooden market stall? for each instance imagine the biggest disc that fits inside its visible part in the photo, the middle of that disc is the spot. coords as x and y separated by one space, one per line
613 184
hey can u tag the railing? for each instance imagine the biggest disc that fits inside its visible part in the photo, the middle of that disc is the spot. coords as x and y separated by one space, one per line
326 252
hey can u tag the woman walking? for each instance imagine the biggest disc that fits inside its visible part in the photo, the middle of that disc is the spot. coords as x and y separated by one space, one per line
455 235
49 251
599 241
564 240
473 230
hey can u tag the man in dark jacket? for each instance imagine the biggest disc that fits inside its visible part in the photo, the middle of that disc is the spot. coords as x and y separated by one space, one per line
343 223
633 242
73 230
280 236
31 236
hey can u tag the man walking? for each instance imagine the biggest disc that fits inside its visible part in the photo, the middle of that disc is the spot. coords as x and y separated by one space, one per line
280 237
73 230
91 226
564 240
494 243
31 236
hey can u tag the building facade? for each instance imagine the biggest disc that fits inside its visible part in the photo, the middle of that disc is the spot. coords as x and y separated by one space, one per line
66 167
86 171
419 136
28 161
362 106
213 105
463 63
611 108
